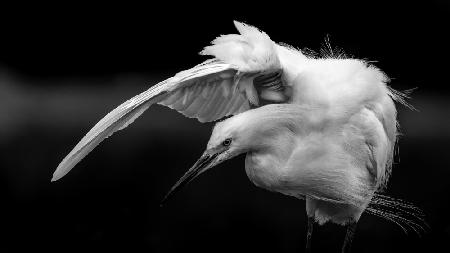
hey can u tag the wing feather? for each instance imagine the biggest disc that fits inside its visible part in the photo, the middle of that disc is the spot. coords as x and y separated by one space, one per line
192 92
238 104
208 91
193 109
231 102
209 99
223 100
209 105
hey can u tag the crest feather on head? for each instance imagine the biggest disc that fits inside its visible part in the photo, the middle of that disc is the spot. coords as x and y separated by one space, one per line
251 51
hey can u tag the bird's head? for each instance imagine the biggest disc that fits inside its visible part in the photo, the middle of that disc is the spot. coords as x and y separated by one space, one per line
252 130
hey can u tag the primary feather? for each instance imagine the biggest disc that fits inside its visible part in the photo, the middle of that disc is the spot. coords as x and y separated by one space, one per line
167 92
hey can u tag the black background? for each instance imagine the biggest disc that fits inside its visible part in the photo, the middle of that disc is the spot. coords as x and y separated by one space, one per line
64 67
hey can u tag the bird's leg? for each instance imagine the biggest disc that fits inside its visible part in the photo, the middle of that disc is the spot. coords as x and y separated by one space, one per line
351 227
309 233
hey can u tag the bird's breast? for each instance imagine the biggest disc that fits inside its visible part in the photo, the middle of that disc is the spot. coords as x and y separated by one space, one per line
264 170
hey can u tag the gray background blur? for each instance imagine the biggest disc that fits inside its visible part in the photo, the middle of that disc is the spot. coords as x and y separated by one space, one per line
62 68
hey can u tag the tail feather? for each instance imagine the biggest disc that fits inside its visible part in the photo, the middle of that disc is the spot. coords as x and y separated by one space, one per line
407 216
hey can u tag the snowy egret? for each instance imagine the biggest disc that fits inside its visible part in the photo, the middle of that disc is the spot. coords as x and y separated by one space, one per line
319 129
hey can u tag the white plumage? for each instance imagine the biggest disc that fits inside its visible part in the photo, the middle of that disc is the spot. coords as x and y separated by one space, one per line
320 129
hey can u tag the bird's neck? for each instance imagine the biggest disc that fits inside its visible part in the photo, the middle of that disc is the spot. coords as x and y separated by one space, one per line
273 127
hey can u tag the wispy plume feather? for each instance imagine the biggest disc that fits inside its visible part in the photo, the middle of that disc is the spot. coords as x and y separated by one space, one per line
407 216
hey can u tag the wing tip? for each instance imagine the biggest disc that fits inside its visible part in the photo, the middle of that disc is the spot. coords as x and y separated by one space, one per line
56 175
61 171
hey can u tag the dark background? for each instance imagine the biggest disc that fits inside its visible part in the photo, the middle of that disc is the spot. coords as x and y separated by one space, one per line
62 68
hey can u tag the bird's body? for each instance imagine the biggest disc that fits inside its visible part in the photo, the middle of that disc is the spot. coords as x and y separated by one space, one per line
310 158
320 129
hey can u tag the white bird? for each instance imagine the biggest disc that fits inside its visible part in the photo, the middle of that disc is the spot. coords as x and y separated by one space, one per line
319 129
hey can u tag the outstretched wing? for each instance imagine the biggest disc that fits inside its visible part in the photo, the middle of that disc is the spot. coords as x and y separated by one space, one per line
245 67
207 92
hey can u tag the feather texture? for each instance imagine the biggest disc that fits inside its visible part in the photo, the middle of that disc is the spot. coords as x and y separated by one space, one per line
407 216
251 51
192 92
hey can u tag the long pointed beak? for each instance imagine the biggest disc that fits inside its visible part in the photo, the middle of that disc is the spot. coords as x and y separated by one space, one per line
205 161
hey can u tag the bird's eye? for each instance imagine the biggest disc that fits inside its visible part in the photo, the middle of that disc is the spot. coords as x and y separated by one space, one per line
226 142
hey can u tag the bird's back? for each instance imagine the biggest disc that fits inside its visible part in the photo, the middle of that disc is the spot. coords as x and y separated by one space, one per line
345 154
345 89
